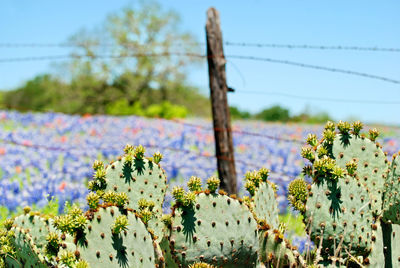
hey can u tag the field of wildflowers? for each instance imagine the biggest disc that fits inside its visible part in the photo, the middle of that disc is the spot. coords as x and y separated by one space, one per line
47 156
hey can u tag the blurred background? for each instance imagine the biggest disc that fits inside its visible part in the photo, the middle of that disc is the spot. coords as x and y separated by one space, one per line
88 53
81 79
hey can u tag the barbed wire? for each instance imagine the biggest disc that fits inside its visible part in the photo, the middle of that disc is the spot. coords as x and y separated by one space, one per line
316 98
316 47
226 43
72 56
316 67
242 57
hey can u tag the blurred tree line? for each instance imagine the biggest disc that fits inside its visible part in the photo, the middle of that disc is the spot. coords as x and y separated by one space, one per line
277 113
117 69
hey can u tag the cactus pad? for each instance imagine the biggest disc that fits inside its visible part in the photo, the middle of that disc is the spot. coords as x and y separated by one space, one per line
391 201
139 178
371 164
99 246
275 250
376 258
27 254
217 229
339 211
37 227
166 252
265 206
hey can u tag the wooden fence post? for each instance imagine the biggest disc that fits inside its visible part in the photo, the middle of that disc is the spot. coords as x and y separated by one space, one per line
219 102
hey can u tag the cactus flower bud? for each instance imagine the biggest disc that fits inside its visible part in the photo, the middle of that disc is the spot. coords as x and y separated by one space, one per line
351 167
128 149
213 184
307 153
121 199
53 243
373 134
120 224
146 215
322 151
8 224
67 258
92 200
312 140
190 199
98 165
357 126
82 264
250 187
27 209
330 126
194 184
139 152
179 194
344 127
157 157
263 173
329 136
298 194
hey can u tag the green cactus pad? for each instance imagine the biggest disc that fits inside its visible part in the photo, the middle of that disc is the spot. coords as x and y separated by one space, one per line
391 201
37 227
139 178
371 164
265 205
376 258
217 229
339 209
11 262
275 250
101 248
166 252
27 254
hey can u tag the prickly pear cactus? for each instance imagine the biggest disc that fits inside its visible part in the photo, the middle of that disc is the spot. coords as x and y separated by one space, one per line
339 214
391 201
136 176
347 172
376 258
275 250
37 227
348 145
26 252
115 238
166 252
263 192
212 228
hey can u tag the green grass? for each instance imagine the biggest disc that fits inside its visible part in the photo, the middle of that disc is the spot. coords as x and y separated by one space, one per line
294 224
51 208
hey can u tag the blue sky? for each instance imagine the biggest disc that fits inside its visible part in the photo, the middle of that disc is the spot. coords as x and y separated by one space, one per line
352 23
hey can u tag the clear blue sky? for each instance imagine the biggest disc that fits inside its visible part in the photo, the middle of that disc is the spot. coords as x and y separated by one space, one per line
358 23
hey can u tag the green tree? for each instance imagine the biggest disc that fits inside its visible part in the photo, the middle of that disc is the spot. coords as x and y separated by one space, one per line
275 113
139 52
131 62
41 93
236 113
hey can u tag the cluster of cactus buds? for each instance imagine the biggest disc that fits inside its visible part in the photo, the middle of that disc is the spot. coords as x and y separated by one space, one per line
72 222
347 207
298 193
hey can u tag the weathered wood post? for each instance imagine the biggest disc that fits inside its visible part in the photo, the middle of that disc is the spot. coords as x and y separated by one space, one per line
219 102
